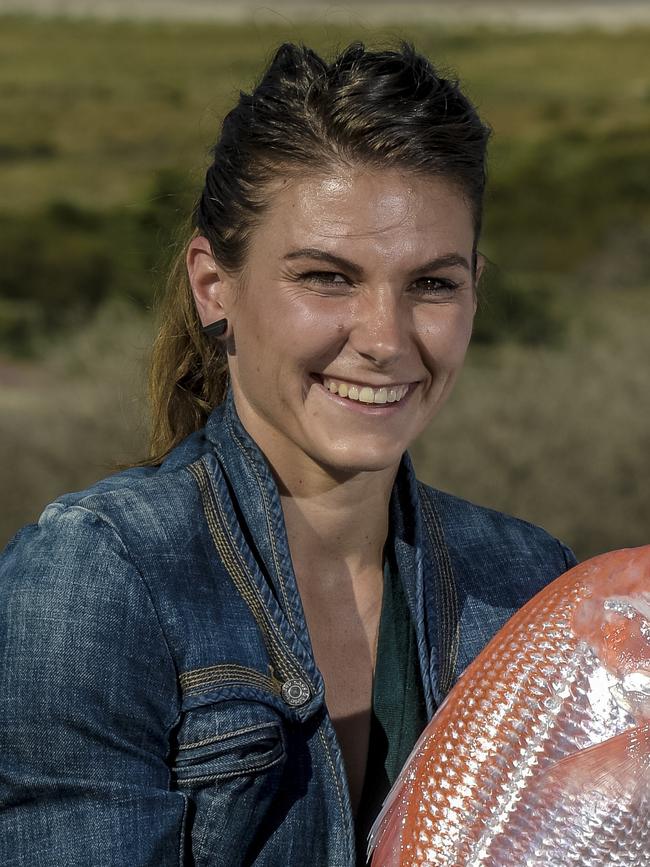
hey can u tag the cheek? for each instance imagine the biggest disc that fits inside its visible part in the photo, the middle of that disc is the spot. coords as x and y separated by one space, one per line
313 327
289 333
446 337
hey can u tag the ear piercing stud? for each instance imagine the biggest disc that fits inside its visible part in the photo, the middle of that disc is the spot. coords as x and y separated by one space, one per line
215 329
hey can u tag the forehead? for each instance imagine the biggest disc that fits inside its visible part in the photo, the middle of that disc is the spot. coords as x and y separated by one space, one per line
372 208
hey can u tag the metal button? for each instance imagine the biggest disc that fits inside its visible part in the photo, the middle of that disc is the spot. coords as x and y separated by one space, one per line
295 692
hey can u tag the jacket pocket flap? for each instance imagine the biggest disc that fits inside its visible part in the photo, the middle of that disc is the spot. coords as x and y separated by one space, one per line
225 739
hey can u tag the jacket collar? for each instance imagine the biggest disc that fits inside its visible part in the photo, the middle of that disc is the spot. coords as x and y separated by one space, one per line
249 475
256 492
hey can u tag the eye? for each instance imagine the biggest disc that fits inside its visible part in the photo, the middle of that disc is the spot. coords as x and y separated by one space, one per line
329 283
325 278
436 286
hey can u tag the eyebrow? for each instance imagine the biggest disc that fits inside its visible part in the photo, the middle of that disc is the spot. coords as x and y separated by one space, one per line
450 260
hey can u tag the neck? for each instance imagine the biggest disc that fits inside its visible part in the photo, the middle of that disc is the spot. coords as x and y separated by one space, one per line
341 525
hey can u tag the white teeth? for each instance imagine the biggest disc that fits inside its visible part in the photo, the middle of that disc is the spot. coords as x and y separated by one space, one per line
365 393
381 395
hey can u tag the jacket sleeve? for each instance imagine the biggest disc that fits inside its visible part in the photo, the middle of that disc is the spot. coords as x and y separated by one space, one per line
88 696
570 558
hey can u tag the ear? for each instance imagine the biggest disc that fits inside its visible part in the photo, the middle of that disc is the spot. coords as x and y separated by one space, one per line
211 285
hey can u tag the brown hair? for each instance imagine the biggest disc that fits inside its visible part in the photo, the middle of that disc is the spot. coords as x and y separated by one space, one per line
382 109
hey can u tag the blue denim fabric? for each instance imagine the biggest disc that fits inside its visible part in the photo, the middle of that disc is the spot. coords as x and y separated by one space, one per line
160 701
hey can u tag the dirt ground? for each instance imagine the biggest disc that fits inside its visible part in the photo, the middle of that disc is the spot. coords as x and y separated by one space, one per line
525 13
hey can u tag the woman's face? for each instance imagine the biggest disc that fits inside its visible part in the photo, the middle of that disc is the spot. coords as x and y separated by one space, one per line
353 319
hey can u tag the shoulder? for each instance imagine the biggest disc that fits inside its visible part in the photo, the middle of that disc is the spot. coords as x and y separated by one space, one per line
93 557
129 511
96 556
498 563
501 559
474 529
76 611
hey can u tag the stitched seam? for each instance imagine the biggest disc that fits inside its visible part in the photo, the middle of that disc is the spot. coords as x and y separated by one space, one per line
222 668
224 737
206 686
181 842
232 671
450 605
339 792
229 560
272 632
449 622
180 781
220 680
446 604
237 571
267 512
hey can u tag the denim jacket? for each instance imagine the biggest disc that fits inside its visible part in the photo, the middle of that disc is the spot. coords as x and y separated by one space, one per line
160 701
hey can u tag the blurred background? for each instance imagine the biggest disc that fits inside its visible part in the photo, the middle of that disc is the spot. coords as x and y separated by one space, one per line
108 111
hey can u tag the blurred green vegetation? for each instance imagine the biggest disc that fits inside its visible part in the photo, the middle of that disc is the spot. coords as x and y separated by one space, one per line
104 142
64 261
107 126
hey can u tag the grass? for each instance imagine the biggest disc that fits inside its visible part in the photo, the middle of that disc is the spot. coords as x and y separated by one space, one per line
72 417
91 110
108 125
558 436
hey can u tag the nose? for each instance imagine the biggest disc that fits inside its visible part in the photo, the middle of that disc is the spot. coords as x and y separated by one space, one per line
380 329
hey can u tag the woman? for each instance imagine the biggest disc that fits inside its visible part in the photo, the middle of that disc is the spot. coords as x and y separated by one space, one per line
225 656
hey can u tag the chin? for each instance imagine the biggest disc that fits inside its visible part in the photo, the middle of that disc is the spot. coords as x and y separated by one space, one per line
351 461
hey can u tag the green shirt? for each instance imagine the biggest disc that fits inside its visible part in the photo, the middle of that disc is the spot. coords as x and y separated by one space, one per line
398 707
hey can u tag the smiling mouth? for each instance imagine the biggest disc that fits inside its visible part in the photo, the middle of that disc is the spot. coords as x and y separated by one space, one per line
365 393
